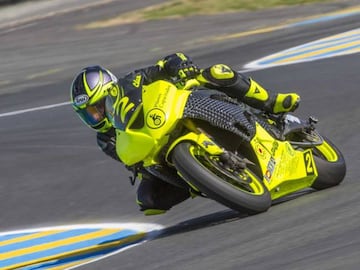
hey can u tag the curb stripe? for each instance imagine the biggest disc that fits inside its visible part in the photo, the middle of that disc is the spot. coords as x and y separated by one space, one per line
67 246
48 248
332 46
320 45
28 260
311 53
351 49
11 236
42 238
319 54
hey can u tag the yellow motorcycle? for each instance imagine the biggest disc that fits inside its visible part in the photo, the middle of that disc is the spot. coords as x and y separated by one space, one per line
205 141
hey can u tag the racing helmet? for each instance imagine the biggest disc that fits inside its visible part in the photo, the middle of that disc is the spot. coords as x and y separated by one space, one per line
88 93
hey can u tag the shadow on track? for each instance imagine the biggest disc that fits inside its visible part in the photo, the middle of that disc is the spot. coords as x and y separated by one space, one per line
213 219
216 218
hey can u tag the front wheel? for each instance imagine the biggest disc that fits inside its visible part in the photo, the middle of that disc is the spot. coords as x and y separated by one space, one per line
241 190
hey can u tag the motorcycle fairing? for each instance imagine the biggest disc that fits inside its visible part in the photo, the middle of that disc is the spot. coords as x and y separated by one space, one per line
161 108
279 160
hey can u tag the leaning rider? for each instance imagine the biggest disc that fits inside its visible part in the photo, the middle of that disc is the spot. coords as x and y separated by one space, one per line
91 86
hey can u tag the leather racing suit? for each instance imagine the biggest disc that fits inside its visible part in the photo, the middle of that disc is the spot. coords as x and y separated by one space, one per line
155 196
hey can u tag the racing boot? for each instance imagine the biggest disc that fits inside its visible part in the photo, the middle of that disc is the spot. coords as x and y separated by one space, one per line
258 97
243 88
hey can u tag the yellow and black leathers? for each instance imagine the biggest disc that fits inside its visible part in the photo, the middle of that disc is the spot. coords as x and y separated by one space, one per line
247 90
155 196
225 79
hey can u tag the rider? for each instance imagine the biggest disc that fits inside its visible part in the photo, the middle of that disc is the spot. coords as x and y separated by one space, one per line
91 86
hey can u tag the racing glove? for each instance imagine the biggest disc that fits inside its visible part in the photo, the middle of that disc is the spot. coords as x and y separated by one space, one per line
179 66
106 141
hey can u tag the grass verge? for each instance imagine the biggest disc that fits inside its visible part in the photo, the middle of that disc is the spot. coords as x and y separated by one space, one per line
184 8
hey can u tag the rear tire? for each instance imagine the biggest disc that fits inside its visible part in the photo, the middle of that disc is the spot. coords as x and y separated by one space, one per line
242 191
330 165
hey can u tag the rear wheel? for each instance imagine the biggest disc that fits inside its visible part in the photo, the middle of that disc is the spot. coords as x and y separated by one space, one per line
330 164
240 190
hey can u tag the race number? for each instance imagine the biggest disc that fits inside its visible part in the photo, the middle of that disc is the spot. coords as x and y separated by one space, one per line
309 164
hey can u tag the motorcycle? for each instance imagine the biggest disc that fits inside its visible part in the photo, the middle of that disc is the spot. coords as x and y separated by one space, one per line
206 141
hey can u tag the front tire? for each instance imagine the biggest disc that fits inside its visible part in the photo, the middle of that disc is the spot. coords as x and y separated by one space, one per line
242 191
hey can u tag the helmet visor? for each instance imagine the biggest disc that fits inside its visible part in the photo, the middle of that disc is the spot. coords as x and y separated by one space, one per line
93 114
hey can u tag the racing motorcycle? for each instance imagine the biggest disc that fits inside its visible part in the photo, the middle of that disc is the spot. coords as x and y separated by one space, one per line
206 141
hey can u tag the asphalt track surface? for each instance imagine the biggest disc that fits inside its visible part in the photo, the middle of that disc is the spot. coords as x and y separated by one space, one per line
52 172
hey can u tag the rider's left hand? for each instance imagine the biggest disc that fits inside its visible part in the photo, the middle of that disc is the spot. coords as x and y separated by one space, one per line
180 66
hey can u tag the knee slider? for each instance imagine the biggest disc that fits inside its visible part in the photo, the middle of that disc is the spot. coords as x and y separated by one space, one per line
220 75
145 201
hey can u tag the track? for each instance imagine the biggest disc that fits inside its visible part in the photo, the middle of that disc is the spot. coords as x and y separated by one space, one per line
53 174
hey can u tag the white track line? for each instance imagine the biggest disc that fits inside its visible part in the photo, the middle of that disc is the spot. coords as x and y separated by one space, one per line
34 109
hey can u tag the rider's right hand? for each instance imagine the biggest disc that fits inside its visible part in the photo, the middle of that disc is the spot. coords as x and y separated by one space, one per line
107 142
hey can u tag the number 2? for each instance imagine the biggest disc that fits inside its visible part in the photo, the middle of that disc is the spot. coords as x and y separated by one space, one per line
309 163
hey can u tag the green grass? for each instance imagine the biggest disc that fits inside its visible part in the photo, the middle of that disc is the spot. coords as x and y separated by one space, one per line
191 7
183 8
